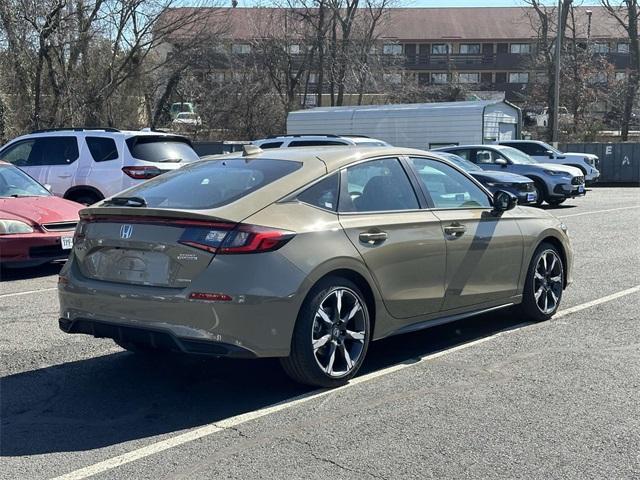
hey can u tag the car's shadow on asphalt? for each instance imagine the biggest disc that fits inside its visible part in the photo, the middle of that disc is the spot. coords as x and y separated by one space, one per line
120 397
29 273
557 207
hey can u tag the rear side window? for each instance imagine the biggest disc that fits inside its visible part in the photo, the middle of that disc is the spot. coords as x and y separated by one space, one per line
102 148
323 194
158 148
211 184
314 143
271 145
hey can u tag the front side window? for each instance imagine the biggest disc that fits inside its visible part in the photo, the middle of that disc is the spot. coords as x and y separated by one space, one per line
520 48
484 157
18 154
323 194
378 186
271 145
470 48
43 151
103 148
447 187
466 154
211 184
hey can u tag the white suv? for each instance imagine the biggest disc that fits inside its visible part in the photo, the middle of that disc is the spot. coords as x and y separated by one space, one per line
545 153
321 140
87 165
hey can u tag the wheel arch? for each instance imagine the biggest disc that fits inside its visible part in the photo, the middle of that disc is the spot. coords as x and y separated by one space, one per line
74 192
579 167
561 250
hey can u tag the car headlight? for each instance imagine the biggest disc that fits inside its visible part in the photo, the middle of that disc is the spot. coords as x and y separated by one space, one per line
553 172
8 227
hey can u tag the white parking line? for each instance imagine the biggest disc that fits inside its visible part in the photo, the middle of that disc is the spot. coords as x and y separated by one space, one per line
232 422
599 211
17 294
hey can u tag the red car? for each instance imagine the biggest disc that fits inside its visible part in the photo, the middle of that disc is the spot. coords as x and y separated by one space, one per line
35 226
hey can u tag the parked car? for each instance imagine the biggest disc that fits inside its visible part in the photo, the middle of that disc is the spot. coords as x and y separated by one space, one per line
543 152
35 226
86 165
306 254
186 120
564 117
522 187
181 107
553 183
286 141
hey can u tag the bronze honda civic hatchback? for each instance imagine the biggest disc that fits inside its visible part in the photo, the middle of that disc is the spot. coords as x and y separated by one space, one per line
308 255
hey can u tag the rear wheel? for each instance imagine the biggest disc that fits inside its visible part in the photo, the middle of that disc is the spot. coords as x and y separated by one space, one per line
84 197
331 335
544 284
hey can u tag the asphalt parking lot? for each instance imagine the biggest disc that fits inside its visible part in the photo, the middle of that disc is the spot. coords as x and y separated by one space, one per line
488 397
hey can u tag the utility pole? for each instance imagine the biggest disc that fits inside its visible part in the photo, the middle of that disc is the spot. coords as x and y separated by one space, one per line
556 85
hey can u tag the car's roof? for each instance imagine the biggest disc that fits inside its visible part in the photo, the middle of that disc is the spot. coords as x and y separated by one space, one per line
334 157
94 132
521 141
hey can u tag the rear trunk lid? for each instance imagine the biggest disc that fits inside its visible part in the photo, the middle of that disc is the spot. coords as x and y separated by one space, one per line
141 248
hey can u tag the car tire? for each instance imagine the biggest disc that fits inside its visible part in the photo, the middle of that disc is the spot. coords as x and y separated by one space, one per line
86 198
331 335
545 278
556 201
540 193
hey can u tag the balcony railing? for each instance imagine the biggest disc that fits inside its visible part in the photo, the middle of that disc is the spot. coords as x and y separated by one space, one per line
453 61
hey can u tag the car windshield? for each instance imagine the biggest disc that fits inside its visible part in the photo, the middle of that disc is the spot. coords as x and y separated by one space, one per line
461 162
210 184
549 147
516 156
15 183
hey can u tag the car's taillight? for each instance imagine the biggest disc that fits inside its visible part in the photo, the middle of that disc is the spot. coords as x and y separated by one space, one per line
79 234
225 239
142 173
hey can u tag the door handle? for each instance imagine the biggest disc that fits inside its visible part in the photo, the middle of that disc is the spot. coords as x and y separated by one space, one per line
64 176
455 229
373 237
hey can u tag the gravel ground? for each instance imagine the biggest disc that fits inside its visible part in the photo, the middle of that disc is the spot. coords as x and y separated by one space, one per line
552 400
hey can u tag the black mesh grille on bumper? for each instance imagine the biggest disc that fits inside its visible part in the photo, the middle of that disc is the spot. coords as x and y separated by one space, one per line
152 338
577 181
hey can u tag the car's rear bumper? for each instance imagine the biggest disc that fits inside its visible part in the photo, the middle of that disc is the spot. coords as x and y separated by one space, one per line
31 249
153 337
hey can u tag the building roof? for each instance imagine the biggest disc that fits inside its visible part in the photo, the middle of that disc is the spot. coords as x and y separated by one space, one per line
416 24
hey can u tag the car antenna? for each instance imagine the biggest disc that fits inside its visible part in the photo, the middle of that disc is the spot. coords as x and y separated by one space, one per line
248 150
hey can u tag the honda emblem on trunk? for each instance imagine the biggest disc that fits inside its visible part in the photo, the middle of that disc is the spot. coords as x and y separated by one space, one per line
126 231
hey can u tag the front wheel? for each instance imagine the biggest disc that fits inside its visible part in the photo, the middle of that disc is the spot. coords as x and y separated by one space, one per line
540 193
544 284
556 201
331 335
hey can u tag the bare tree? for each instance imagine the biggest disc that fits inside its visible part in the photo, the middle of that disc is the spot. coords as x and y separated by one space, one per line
626 14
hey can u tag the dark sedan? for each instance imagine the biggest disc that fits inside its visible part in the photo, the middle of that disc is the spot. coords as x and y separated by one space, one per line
521 187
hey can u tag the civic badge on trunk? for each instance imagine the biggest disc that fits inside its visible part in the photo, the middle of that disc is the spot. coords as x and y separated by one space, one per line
126 231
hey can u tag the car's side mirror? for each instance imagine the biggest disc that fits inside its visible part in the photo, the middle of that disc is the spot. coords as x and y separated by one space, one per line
503 201
501 161
550 154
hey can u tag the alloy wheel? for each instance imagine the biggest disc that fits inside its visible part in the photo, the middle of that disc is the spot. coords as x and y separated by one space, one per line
547 281
338 333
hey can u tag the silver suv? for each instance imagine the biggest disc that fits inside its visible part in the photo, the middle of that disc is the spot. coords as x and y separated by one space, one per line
87 164
553 183
320 140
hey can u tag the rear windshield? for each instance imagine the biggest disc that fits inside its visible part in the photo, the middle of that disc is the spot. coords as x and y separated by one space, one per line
211 184
161 149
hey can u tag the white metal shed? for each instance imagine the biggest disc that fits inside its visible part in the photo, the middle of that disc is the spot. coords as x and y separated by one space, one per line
417 125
